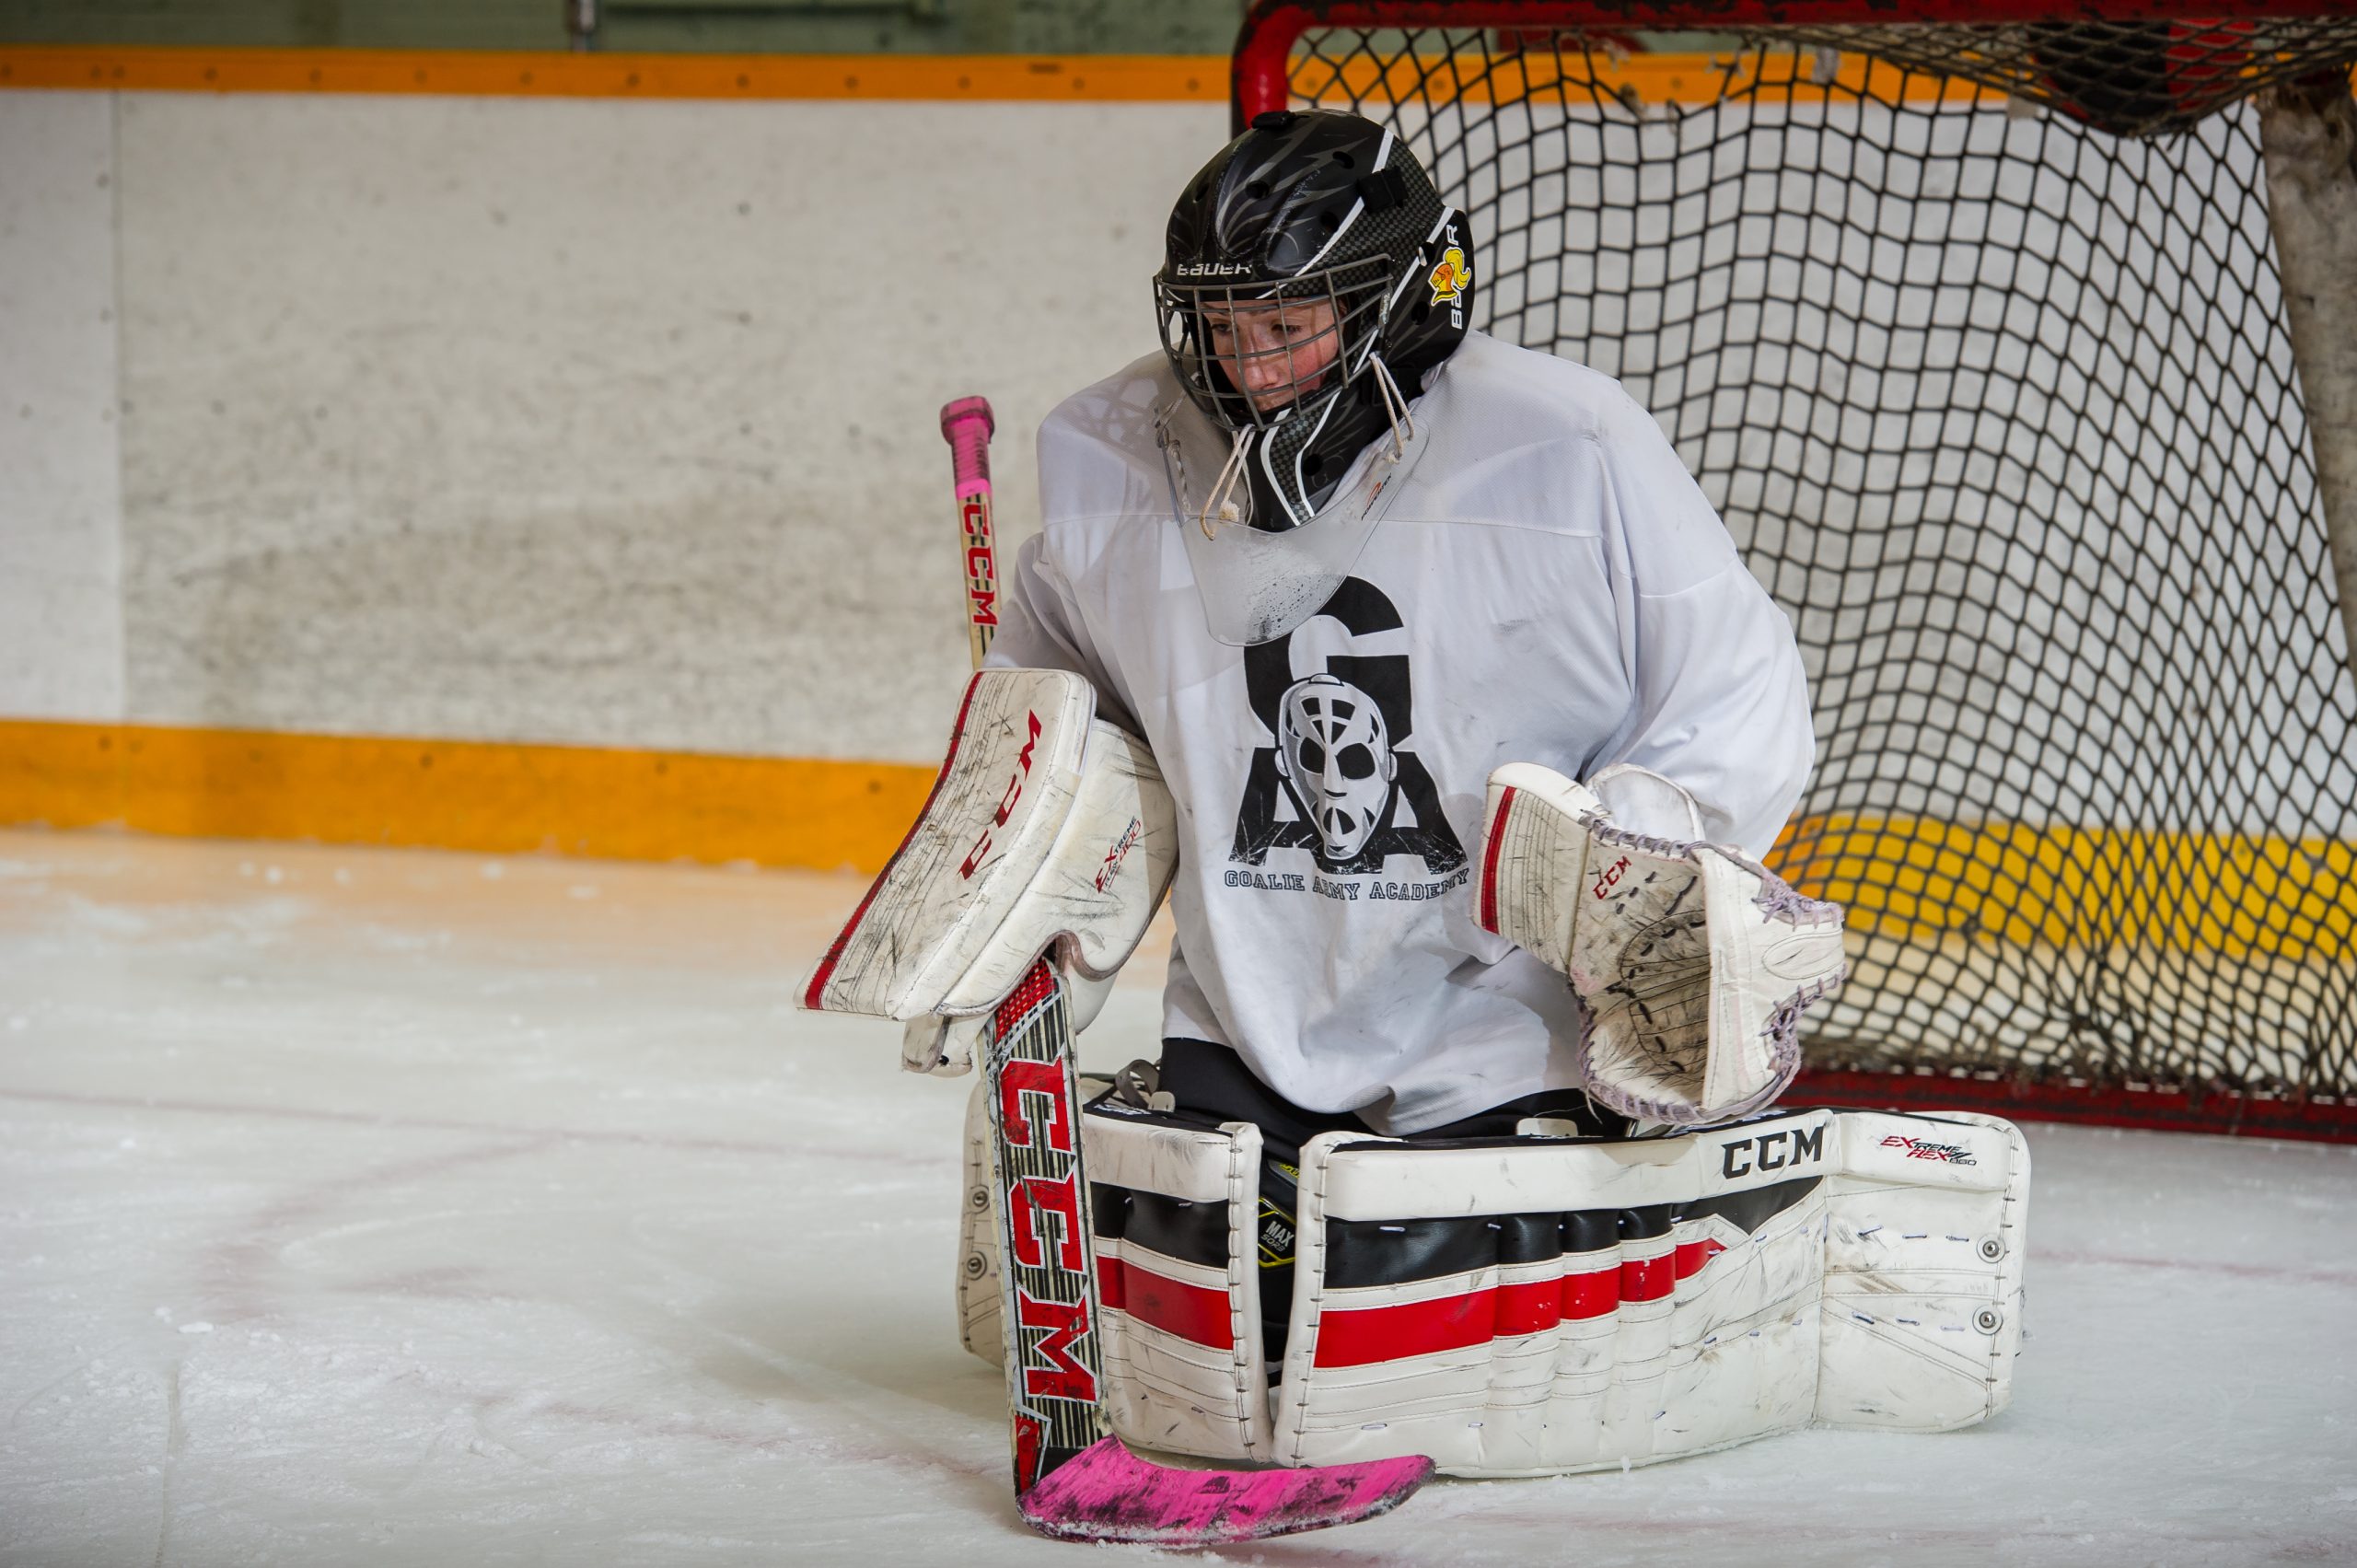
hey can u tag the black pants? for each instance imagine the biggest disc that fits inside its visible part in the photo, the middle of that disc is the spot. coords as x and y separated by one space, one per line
1212 1081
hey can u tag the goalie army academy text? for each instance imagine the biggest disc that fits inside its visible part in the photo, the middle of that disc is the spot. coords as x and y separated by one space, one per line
1295 882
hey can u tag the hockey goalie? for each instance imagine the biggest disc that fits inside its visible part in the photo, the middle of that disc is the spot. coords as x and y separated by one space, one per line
1418 670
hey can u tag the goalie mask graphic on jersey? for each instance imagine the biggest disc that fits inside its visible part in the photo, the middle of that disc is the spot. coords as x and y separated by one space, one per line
1336 759
1337 786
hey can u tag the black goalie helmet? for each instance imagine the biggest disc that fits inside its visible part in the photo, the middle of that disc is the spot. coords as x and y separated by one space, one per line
1312 277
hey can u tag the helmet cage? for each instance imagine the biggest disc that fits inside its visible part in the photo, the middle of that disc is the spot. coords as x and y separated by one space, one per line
1353 299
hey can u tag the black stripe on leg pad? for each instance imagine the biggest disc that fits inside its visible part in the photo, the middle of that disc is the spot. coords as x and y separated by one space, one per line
1389 1252
1385 1252
1646 1223
1755 1207
1192 1233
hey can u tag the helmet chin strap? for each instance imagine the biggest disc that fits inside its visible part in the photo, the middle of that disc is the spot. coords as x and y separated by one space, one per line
1395 406
1218 509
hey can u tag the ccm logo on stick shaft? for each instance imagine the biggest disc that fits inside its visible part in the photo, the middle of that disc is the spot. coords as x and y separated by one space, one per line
967 425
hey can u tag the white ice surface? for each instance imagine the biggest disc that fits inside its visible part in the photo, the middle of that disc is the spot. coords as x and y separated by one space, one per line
362 1207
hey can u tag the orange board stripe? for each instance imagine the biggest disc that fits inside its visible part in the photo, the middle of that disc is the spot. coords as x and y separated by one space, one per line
979 78
519 73
973 77
1907 878
460 795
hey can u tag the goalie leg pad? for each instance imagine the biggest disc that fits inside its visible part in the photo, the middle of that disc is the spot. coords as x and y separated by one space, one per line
1536 1306
1694 962
978 1265
1928 1225
1047 829
1176 1209
1179 1273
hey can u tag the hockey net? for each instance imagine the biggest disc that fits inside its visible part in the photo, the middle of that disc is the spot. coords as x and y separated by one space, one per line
1975 335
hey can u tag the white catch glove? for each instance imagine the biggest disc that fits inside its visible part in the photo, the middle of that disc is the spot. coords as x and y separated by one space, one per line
1695 963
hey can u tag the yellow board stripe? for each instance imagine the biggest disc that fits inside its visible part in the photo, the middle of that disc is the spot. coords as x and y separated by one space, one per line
2240 896
531 74
460 795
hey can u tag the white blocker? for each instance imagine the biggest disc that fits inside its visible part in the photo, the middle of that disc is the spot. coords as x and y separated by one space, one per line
1048 830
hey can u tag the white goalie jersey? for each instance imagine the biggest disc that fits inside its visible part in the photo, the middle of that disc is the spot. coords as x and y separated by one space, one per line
1547 586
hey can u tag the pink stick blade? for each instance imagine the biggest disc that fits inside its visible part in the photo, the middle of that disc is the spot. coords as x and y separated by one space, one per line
1106 1494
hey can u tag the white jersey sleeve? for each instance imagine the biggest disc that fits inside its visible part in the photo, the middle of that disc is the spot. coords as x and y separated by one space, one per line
1038 629
1721 702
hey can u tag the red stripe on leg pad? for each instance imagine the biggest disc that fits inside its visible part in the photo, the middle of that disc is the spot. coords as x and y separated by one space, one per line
1362 1336
1192 1312
1692 1255
1593 1295
1648 1279
1530 1309
1111 1284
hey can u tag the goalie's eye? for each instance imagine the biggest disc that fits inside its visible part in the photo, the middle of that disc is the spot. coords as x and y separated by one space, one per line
1313 757
1356 763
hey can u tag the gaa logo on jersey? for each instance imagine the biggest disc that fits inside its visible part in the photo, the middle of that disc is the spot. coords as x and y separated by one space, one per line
1342 781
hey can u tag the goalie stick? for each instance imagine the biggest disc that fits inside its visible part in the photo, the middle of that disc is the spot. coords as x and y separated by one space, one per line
967 425
1073 1479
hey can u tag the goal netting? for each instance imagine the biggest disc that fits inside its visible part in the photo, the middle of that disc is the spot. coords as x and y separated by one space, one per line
1977 337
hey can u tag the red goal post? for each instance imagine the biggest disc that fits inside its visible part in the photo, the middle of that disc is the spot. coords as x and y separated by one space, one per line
1996 336
1272 29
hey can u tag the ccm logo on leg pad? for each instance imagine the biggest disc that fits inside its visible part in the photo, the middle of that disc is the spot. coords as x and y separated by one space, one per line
1773 1151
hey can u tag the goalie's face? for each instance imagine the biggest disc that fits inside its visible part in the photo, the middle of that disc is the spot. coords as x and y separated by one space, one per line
1248 353
1276 352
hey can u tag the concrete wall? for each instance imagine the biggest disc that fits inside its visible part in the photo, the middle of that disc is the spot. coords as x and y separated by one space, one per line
61 581
802 26
538 419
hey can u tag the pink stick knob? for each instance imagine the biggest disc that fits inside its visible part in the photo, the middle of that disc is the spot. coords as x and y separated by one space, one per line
967 425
